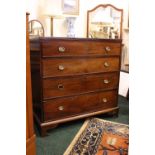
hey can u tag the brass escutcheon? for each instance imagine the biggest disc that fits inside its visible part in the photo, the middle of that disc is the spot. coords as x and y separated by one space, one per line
60 86
106 64
61 108
107 48
61 67
106 81
104 100
61 49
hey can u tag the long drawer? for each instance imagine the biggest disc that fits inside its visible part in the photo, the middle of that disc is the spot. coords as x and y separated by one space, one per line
78 66
76 48
55 87
71 106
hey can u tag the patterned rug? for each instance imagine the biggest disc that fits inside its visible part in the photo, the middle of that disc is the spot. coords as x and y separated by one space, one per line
100 137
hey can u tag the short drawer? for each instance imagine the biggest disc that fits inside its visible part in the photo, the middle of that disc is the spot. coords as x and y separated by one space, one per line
72 106
77 66
79 47
55 87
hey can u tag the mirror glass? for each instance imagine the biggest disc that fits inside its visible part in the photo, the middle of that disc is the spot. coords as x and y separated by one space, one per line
104 21
36 29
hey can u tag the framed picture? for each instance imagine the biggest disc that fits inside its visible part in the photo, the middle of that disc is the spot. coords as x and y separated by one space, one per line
70 7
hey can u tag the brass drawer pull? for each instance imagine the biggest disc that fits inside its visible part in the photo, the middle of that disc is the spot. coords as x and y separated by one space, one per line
107 48
61 49
104 100
61 108
106 64
61 67
106 81
60 86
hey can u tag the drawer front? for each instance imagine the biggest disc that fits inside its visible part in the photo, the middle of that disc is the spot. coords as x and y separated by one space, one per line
77 48
55 87
71 106
63 67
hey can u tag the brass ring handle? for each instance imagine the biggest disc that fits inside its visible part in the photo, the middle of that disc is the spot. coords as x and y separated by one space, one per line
60 86
61 49
107 48
61 108
106 64
61 67
104 100
106 81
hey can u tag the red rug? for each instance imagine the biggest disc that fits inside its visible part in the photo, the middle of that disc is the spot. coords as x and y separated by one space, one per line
100 137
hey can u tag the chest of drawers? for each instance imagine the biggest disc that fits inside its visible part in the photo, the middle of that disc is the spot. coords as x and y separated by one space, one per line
73 78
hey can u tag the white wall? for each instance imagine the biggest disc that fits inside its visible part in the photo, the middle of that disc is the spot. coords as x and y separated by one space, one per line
36 10
40 8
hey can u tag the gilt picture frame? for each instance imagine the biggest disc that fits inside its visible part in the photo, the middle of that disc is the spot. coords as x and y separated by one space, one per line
70 7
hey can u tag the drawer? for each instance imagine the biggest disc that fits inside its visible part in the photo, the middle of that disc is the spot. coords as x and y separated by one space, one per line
55 87
71 106
77 66
77 48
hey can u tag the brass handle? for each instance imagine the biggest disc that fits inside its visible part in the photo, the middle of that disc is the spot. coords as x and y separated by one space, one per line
107 48
61 49
61 108
104 100
106 81
60 86
61 67
106 64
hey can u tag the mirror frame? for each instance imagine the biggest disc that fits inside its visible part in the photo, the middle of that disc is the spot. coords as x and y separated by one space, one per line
105 6
38 22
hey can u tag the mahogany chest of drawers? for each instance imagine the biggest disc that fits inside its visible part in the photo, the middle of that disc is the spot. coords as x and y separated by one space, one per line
73 78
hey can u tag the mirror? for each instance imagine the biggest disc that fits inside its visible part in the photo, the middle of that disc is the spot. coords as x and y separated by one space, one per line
36 29
104 21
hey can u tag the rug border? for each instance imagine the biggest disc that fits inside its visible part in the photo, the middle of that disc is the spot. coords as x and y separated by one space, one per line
82 129
76 137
